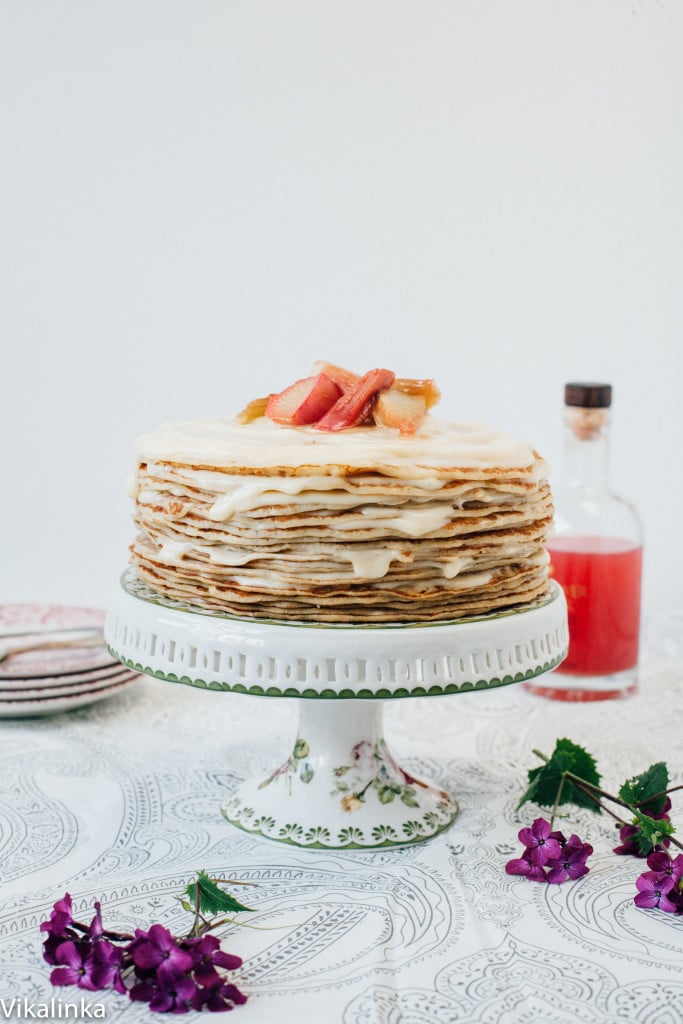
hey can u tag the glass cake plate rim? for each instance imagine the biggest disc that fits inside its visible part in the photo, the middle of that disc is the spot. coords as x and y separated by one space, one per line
136 587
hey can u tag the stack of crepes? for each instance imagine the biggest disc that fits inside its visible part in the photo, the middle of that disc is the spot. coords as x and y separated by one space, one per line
366 525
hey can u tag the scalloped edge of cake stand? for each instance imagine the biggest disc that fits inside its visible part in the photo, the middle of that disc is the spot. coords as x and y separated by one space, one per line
273 659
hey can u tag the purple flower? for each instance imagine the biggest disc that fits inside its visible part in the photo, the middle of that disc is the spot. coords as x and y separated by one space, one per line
655 890
548 856
157 950
660 815
627 846
665 876
677 869
50 947
571 862
96 930
76 966
219 997
170 994
524 866
60 918
206 956
106 965
170 974
661 862
628 832
541 845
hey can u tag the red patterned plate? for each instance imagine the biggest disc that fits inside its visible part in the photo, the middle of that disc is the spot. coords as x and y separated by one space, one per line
55 705
41 682
25 624
67 689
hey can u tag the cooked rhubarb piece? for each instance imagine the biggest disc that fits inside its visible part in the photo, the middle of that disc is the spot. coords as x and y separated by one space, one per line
426 388
401 411
253 410
358 402
344 378
304 402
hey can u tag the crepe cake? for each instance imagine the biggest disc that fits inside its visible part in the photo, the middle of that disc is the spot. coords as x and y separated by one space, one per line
366 524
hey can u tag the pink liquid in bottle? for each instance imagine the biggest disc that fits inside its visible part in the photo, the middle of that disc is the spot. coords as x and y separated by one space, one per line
600 577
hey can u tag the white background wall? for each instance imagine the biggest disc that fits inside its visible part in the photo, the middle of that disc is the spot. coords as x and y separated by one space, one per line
198 199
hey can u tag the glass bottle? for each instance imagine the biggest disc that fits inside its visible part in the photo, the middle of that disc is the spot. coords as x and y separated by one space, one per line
596 555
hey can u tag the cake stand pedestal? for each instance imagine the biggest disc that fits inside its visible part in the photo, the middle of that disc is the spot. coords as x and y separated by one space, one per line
341 788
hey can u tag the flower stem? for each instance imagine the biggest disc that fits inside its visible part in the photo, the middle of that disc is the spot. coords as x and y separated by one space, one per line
557 801
113 936
195 924
230 881
662 792
363 791
590 790
584 786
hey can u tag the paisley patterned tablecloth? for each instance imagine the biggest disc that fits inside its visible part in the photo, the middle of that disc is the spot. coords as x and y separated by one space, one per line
121 802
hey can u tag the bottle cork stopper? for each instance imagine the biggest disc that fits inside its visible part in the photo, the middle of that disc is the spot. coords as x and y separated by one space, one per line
588 396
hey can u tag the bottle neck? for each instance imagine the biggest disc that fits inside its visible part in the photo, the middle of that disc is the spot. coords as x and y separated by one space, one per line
586 447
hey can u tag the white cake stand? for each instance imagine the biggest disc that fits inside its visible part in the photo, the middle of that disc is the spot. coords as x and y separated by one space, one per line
341 788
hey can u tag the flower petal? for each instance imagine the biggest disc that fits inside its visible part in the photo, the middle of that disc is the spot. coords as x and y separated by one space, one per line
64 976
146 955
227 961
540 828
232 993
518 866
69 955
557 873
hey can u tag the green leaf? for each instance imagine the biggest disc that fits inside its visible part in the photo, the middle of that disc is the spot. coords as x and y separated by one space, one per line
409 797
212 899
640 790
650 832
549 784
385 794
301 749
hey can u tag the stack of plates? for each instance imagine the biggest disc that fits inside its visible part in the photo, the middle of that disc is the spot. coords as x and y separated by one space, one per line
53 658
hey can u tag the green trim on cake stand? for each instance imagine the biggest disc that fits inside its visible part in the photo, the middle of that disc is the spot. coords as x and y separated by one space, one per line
328 694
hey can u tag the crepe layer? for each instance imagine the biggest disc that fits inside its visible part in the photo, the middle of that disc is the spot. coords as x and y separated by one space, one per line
372 528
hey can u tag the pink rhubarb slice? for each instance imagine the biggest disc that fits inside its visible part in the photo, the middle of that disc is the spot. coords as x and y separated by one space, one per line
358 402
304 402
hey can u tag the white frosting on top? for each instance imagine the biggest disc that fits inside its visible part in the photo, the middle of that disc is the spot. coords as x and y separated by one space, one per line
261 444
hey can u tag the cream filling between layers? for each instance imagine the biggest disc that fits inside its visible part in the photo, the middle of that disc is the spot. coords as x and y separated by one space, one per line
365 563
210 461
237 494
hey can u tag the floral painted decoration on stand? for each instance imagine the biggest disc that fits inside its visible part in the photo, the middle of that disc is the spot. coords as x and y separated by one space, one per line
296 766
570 776
171 974
373 768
